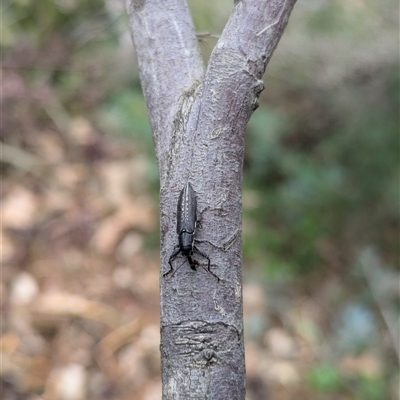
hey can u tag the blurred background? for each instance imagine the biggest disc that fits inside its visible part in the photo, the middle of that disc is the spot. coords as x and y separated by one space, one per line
80 251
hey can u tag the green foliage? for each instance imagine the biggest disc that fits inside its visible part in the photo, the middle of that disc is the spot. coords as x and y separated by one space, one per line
264 149
345 181
211 19
371 389
337 17
126 115
46 18
127 112
325 378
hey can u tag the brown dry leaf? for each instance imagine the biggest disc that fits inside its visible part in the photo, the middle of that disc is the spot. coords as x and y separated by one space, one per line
130 215
121 178
113 342
30 371
8 248
80 130
9 342
147 285
19 209
141 360
282 372
70 305
253 298
72 382
280 344
130 245
56 201
119 337
67 383
68 176
368 365
123 277
254 356
115 176
50 147
145 279
153 391
24 289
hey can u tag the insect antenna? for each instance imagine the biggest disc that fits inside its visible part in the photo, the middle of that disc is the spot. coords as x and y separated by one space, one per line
176 269
209 271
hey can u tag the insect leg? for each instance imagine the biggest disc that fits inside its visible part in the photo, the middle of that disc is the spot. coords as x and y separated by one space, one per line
198 220
172 258
191 262
176 269
208 262
227 243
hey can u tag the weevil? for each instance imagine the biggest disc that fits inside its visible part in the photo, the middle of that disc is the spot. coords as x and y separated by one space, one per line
186 222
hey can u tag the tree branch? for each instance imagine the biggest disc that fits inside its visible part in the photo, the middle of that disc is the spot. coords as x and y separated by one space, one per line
168 57
201 140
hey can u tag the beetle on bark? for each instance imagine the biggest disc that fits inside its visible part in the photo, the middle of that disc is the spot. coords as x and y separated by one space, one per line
186 229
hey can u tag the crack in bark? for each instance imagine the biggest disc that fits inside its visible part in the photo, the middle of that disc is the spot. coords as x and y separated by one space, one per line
273 23
201 340
179 123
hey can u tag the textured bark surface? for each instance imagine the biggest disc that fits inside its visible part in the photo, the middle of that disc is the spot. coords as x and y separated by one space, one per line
198 121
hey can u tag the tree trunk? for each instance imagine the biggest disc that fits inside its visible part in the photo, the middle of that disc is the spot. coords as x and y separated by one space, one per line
198 119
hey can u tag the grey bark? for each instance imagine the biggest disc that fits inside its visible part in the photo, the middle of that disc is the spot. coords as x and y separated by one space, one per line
198 119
